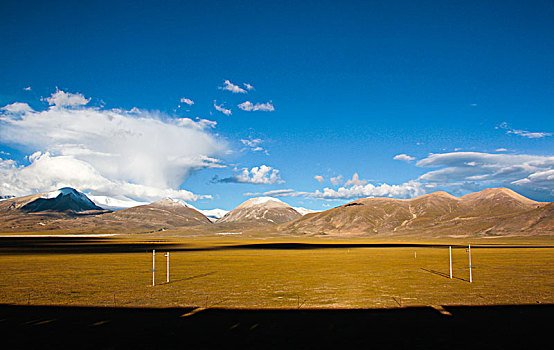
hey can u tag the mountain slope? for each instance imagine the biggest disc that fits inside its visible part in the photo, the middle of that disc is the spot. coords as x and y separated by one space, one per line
162 215
536 221
437 213
261 211
65 200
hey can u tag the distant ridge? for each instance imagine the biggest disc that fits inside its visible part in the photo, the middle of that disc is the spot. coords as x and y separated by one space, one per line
437 213
489 213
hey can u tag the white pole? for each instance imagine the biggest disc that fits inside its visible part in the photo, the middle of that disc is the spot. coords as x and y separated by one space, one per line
153 267
167 266
470 275
450 252
415 255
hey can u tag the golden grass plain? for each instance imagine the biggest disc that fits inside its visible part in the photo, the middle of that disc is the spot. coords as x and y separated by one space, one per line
374 277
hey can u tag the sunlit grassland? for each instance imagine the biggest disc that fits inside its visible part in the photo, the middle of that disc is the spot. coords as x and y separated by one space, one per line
286 278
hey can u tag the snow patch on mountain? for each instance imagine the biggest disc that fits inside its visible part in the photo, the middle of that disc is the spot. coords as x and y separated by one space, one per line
305 211
115 203
263 201
214 214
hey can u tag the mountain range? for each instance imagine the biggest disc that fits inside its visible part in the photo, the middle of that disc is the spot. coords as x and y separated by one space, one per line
491 212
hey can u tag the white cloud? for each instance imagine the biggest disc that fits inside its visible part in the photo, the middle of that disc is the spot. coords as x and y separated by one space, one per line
67 99
221 109
274 193
486 169
404 157
16 108
319 178
336 180
355 181
458 172
406 190
257 175
248 86
227 85
254 145
187 101
264 107
28 88
501 150
523 133
199 124
137 154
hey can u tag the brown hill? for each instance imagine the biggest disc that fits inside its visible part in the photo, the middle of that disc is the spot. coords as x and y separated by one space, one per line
437 214
162 215
261 211
158 216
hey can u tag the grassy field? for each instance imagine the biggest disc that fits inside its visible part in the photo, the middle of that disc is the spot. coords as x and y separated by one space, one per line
381 277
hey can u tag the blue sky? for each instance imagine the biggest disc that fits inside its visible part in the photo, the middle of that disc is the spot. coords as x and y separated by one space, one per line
464 90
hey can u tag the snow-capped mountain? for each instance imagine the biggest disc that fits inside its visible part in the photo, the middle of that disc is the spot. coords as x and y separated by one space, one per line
262 211
65 199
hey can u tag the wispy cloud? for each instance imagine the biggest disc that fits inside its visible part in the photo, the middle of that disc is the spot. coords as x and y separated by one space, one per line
249 106
523 133
254 144
336 180
28 88
274 193
404 157
262 175
319 178
248 86
355 181
460 169
227 85
222 109
135 153
501 150
188 101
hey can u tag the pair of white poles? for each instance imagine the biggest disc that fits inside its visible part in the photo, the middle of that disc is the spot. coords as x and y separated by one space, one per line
154 267
469 251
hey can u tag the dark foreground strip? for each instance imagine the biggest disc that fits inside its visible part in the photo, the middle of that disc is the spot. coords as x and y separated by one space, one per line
77 245
487 327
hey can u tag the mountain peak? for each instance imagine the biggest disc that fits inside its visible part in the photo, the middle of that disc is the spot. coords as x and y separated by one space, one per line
268 202
172 202
261 211
438 194
65 199
491 193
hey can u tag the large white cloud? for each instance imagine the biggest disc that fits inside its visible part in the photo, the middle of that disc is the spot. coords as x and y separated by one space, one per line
16 108
525 171
457 172
137 153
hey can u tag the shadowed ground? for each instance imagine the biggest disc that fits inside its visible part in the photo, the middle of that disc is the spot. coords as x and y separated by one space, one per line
485 327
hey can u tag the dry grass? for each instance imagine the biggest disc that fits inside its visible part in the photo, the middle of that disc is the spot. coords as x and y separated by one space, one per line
254 278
